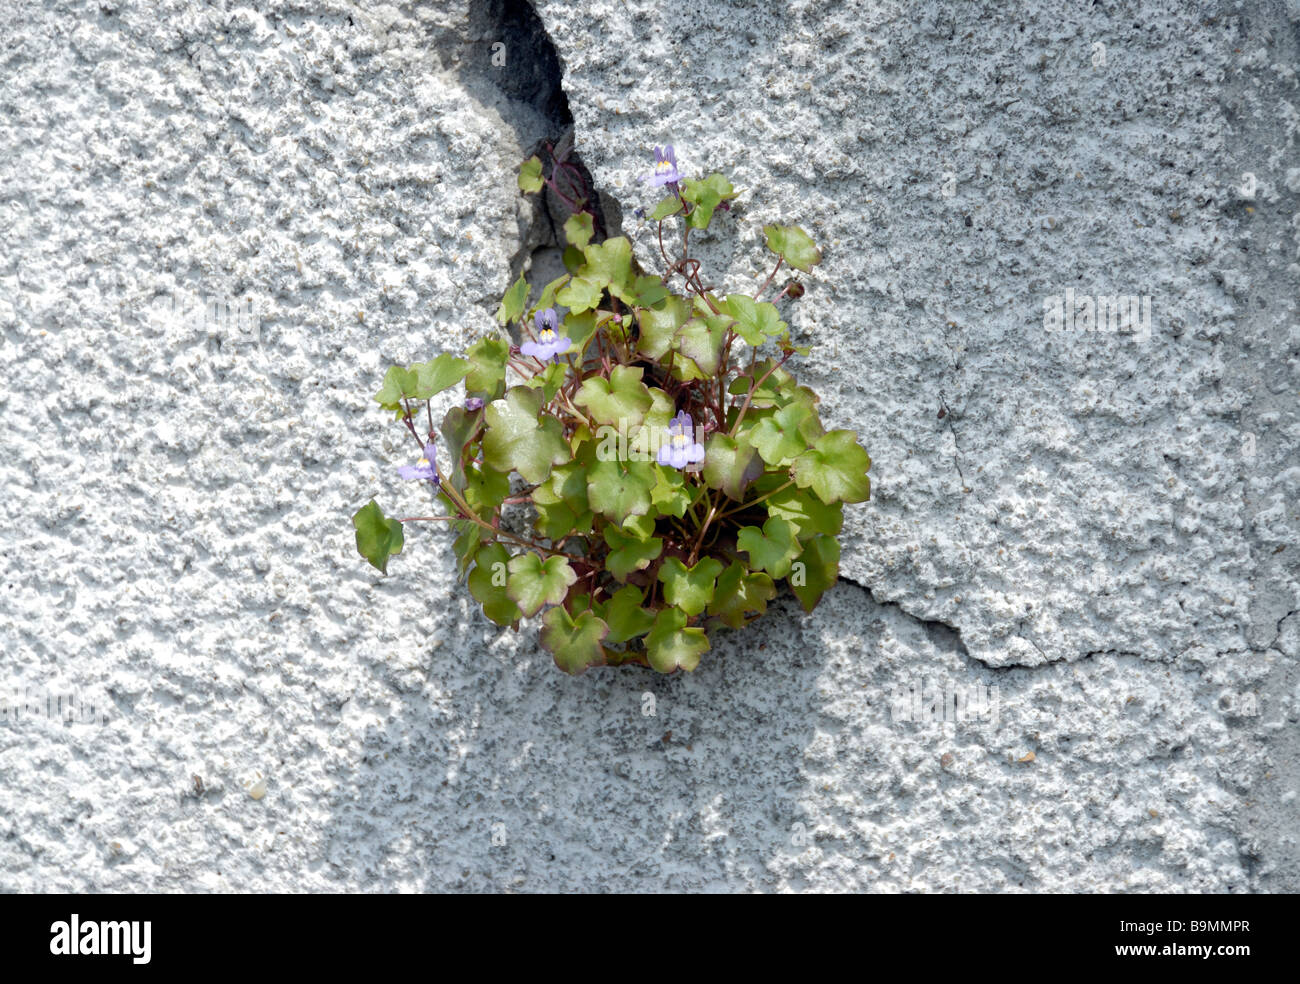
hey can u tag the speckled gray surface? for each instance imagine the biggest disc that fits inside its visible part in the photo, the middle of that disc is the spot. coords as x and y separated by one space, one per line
1101 526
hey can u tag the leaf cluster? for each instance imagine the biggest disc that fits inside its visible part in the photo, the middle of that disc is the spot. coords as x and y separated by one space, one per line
562 500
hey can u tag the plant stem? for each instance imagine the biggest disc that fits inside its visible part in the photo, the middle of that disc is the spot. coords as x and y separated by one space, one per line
695 551
745 505
749 397
467 513
779 261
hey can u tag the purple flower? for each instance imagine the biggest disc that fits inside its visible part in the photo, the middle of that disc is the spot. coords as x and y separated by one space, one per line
550 342
422 469
665 172
681 449
473 403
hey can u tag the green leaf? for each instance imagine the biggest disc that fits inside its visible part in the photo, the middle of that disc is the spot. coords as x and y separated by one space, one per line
548 292
661 412
811 428
609 264
549 380
642 527
399 384
530 175
669 495
659 327
487 583
835 468
467 542
521 437
625 616
580 328
618 489
622 397
802 508
788 346
569 480
629 552
700 340
770 549
534 582
649 292
575 643
816 569
378 537
487 376
795 245
581 295
689 588
458 427
707 196
438 374
559 517
755 321
778 389
485 488
728 465
561 501
671 645
512 304
579 228
669 206
739 592
573 259
778 437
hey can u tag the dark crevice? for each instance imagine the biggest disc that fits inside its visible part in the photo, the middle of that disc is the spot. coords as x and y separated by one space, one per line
533 76
941 634
948 637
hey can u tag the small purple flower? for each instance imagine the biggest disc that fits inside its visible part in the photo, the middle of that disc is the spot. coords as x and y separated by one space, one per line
665 172
681 449
473 403
550 342
422 469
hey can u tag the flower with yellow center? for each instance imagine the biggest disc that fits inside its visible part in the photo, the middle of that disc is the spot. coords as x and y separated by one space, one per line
681 448
666 171
424 469
550 343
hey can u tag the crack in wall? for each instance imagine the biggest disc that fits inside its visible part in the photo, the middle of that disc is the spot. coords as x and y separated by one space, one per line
533 77
940 633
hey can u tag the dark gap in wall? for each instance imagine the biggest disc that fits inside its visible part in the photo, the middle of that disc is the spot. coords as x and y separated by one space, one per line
534 76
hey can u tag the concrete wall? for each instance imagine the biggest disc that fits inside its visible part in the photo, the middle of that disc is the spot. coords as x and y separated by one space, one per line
1103 527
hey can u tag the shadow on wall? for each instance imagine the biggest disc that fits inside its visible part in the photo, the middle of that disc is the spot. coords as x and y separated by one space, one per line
521 778
777 765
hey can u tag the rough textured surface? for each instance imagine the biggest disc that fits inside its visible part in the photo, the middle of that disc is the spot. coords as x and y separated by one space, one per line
1103 527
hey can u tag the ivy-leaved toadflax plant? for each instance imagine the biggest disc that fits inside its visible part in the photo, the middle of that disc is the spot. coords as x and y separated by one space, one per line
669 470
